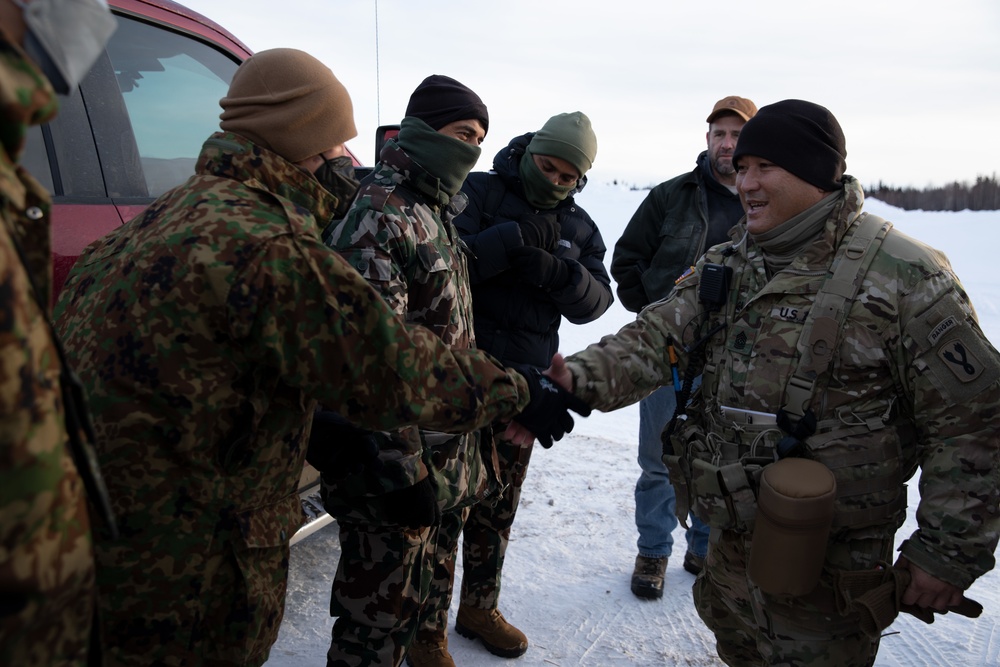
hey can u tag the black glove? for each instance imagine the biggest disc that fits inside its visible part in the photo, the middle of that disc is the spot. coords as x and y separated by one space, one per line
338 448
414 506
547 414
540 230
539 268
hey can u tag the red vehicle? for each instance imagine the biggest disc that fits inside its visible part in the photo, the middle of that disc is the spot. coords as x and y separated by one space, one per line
133 130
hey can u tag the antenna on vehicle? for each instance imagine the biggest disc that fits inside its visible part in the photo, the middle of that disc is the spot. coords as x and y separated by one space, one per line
378 85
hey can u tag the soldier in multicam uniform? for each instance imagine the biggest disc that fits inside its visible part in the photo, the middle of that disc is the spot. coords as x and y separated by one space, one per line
399 235
205 331
870 385
47 592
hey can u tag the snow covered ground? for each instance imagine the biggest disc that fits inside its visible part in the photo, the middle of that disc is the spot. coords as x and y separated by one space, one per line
566 579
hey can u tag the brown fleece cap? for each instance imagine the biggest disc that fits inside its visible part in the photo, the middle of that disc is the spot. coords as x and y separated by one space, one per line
289 102
739 106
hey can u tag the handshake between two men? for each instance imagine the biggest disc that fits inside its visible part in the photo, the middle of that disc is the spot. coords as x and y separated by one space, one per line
547 416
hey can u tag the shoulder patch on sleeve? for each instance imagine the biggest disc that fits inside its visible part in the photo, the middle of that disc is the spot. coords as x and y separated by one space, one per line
963 364
957 355
960 360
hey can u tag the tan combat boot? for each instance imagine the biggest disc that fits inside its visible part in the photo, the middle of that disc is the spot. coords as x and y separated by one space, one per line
490 627
429 650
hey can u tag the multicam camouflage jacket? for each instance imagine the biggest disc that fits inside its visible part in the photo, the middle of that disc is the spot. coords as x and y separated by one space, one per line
46 558
205 330
399 235
913 382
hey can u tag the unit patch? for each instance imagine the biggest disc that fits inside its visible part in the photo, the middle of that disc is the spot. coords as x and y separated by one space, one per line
960 359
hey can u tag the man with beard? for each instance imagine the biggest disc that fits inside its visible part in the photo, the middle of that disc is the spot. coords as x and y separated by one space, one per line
677 222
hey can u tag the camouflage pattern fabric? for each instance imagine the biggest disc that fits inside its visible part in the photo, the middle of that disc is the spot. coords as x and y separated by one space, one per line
390 570
411 570
206 330
914 381
399 236
735 610
487 531
46 557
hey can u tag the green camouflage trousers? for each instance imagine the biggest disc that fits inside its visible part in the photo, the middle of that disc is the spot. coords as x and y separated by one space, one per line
753 629
389 581
487 530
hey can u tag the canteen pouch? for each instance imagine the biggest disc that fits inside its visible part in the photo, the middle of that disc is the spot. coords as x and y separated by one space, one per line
795 505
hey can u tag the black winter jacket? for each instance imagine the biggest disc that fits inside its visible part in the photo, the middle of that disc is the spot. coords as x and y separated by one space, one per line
667 234
514 321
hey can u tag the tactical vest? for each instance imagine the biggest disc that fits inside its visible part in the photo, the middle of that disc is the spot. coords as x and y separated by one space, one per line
715 461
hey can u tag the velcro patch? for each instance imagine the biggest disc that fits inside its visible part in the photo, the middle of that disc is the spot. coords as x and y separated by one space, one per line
941 329
789 314
960 359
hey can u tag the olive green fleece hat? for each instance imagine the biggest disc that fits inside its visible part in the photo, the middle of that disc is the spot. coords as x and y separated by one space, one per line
289 102
568 136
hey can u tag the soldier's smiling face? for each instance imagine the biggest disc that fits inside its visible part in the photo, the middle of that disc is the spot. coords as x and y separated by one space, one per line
771 195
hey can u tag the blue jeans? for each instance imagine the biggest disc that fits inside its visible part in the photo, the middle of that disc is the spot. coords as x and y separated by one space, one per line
654 495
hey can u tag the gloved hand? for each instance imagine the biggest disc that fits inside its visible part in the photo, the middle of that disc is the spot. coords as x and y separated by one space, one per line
338 448
540 230
413 506
538 267
547 414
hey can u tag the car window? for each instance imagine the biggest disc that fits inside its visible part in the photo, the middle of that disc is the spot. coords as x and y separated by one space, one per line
171 85
36 159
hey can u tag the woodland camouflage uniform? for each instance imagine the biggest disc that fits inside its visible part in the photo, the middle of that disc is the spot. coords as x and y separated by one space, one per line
399 235
46 555
913 383
206 330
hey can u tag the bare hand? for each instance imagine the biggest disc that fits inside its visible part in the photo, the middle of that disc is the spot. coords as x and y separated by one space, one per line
559 372
927 591
518 434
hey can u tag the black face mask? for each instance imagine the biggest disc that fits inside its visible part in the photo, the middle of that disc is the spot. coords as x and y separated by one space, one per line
336 175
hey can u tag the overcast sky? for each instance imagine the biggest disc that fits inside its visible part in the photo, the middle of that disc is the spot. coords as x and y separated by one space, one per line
915 84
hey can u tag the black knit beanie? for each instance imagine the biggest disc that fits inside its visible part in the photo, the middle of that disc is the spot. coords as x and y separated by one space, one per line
440 100
801 137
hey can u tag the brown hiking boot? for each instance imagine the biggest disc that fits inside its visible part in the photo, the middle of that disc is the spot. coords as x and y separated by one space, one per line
490 627
429 651
647 578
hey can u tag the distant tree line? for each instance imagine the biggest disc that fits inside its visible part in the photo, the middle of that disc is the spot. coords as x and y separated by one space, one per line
983 195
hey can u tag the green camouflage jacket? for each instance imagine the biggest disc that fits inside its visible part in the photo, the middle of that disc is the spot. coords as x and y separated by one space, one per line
205 330
913 376
46 557
399 235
